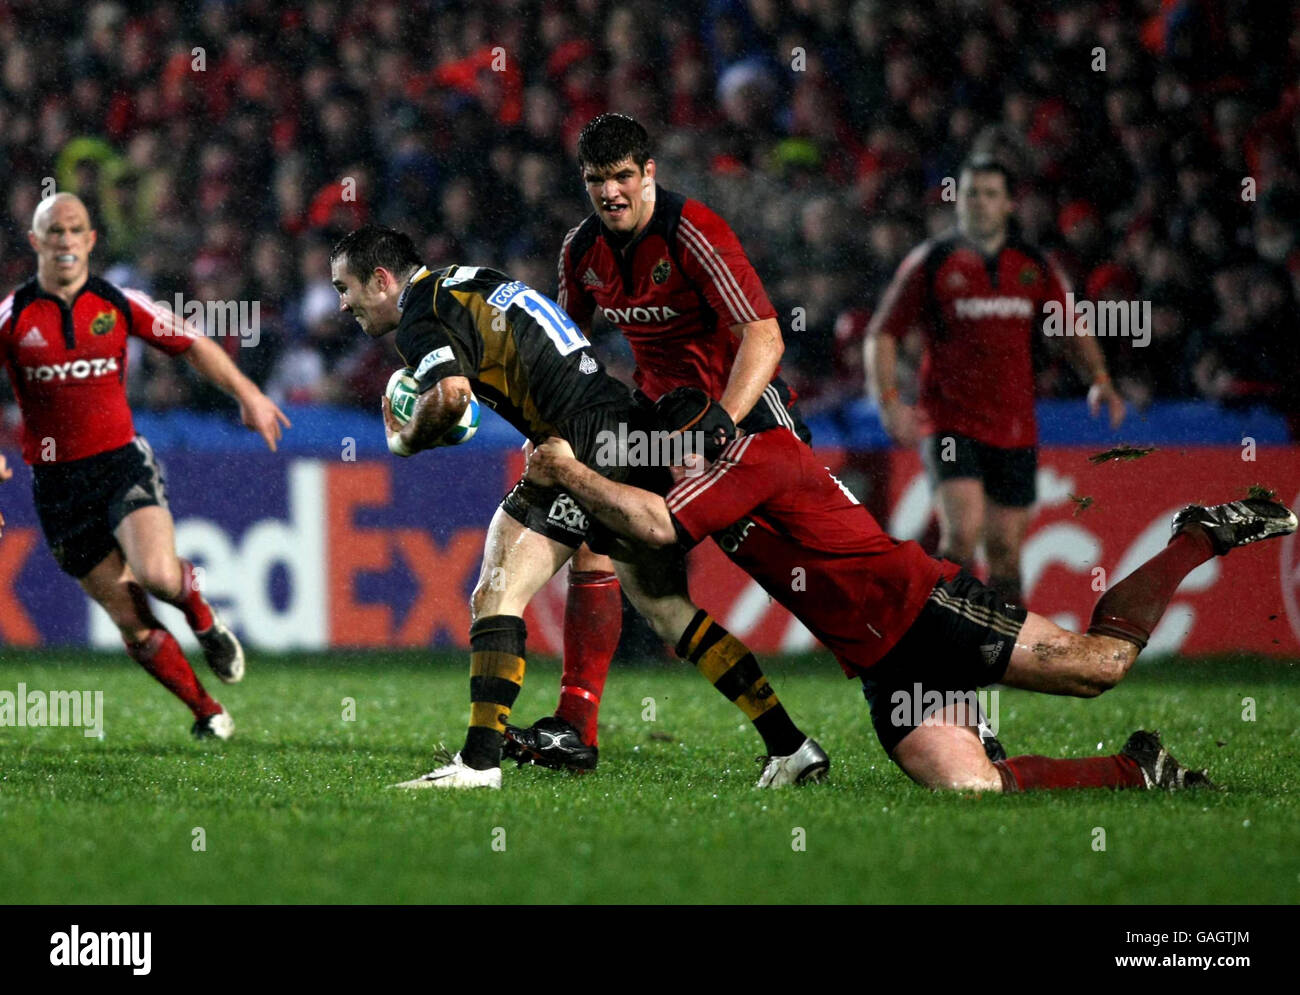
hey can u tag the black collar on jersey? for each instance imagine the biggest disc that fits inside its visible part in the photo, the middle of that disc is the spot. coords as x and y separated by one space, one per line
31 290
40 293
415 278
943 245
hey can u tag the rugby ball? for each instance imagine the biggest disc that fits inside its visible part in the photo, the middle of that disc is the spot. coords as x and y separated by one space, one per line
402 393
464 429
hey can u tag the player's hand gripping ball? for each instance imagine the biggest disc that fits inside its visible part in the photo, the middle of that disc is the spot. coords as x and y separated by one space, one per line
402 393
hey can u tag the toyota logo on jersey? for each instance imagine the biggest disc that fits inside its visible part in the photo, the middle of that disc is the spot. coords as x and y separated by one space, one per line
77 369
993 307
644 315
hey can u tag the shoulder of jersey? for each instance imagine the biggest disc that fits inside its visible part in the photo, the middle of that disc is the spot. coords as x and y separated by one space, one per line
476 276
583 237
117 296
7 307
134 296
23 294
939 247
424 287
700 221
695 211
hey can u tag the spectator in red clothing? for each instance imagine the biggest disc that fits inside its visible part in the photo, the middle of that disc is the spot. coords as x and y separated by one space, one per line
294 98
689 100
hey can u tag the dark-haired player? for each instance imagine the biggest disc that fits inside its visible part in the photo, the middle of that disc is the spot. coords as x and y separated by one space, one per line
977 295
99 491
469 327
921 633
671 275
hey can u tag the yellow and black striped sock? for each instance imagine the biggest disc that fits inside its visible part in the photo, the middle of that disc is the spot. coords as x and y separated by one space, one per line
496 673
729 666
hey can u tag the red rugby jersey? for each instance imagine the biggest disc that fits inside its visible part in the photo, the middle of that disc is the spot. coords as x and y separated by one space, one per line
772 506
67 364
978 317
682 283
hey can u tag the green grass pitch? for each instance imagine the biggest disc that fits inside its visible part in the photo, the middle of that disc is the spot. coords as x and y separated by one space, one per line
296 808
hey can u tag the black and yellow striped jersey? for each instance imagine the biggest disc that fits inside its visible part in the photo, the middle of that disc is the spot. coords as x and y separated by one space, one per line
524 357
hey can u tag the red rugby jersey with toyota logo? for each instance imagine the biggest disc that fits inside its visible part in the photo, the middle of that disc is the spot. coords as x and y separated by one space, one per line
771 505
67 364
683 281
978 317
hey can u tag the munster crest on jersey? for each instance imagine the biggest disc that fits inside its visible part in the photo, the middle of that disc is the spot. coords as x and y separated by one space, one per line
660 273
1028 275
103 323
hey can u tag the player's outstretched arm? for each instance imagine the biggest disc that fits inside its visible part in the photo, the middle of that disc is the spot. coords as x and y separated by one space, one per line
256 410
629 511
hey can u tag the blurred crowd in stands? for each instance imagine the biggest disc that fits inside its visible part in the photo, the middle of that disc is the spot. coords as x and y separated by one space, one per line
223 146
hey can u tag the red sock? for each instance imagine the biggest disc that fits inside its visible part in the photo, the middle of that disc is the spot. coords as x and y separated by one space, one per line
1028 773
161 655
593 621
1131 609
190 600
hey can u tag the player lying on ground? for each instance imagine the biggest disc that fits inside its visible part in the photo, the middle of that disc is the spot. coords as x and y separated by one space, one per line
466 327
672 276
905 623
99 492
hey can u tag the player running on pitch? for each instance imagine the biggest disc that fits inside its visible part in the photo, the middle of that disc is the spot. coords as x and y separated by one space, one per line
673 277
977 295
469 327
921 633
99 491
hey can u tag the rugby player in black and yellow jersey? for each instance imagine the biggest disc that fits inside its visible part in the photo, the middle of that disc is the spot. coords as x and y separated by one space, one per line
466 328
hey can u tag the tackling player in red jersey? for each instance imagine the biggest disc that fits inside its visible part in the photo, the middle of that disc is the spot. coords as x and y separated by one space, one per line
673 277
977 295
920 633
99 491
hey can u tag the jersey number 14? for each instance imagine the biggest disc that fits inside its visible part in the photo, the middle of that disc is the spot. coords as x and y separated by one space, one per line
560 328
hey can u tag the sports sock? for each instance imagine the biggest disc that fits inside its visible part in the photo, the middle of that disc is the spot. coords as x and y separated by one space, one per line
1028 773
593 622
1007 587
496 673
161 655
730 667
1131 609
190 600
